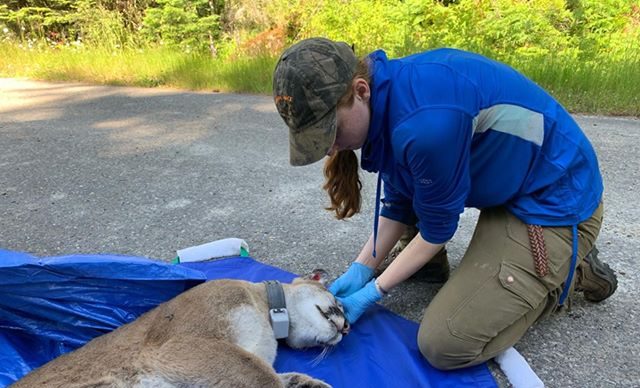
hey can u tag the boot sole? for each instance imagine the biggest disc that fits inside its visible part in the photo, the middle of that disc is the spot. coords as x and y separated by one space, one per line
605 273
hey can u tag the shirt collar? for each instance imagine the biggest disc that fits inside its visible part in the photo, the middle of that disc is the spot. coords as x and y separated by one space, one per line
372 149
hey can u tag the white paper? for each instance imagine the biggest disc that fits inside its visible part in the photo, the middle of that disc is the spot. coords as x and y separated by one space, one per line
517 370
215 249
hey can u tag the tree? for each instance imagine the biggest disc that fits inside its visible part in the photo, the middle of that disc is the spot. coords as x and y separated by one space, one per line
191 25
39 19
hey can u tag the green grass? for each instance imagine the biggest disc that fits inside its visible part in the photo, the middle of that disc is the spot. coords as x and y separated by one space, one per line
603 87
244 75
147 68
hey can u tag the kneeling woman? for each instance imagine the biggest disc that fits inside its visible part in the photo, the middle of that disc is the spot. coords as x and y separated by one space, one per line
448 129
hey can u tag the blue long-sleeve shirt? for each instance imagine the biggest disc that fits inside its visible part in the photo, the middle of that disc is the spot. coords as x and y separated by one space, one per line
452 129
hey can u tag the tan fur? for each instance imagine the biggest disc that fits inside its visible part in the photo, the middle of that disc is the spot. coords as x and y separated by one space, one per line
215 335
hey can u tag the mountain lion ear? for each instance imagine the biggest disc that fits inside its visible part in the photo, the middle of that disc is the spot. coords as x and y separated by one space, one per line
319 275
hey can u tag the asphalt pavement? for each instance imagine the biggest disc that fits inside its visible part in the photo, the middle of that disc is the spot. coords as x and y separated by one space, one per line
144 172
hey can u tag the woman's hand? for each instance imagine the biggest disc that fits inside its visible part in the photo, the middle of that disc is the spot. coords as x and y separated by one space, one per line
357 303
351 281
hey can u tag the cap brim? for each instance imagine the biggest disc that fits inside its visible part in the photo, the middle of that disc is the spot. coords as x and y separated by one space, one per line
312 144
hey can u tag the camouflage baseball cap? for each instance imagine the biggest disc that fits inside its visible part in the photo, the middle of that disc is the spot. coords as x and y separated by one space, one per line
310 78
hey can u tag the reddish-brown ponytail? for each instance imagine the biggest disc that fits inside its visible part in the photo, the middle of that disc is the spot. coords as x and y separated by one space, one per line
343 183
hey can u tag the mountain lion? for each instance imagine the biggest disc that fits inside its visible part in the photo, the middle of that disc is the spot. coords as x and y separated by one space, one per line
217 334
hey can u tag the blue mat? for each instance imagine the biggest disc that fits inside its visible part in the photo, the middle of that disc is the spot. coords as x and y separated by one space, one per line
50 306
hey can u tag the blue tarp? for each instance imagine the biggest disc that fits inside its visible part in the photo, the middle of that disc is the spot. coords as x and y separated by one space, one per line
50 306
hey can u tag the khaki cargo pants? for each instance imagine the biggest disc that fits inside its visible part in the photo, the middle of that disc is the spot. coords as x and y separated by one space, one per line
494 296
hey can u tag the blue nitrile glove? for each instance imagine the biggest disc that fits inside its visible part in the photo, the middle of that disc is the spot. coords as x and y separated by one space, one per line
357 303
351 281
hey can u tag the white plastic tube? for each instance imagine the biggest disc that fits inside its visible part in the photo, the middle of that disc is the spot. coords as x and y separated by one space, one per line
212 250
517 370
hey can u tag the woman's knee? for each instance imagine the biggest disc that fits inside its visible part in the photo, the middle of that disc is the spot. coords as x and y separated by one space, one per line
443 350
430 350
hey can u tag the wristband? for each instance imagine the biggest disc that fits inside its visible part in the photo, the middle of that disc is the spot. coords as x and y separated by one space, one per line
381 290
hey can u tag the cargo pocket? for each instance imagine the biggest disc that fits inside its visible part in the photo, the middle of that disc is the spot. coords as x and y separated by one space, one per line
497 304
522 284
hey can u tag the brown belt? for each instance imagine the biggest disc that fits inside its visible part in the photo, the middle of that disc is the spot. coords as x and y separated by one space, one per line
538 250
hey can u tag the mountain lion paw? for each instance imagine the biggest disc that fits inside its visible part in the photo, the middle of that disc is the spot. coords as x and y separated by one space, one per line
299 380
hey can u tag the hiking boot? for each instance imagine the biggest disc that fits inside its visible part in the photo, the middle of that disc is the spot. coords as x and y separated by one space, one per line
594 278
435 271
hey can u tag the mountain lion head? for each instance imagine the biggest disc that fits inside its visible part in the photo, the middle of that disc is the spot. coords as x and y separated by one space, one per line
316 317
